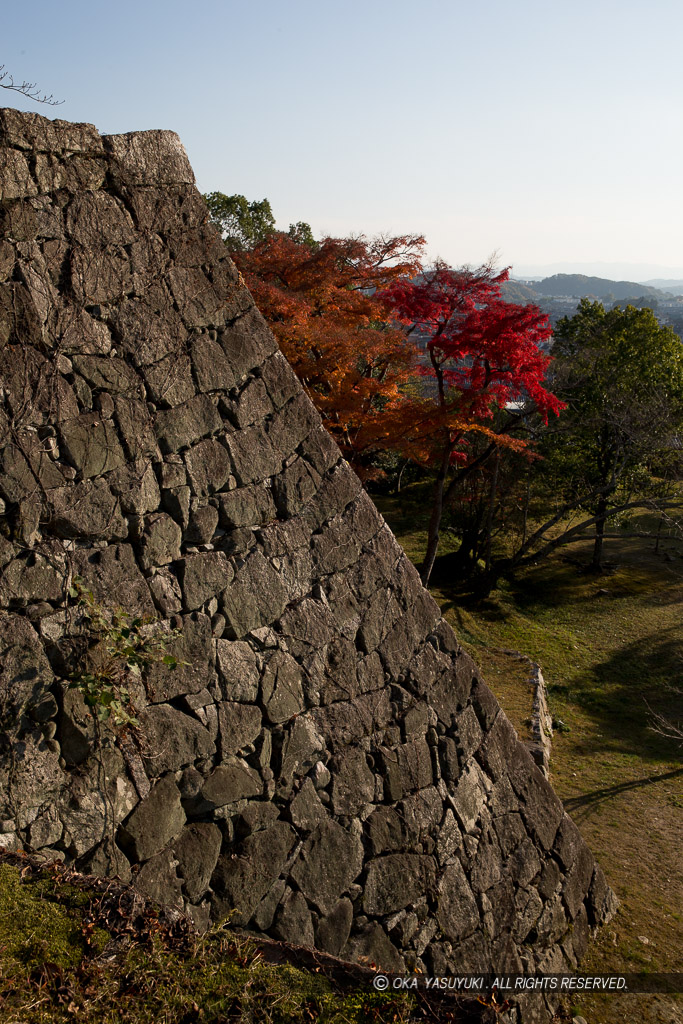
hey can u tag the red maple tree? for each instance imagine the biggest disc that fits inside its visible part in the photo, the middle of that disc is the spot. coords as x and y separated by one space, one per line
482 355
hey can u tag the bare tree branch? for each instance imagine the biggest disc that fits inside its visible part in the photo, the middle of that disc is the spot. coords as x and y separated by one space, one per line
570 535
28 89
664 726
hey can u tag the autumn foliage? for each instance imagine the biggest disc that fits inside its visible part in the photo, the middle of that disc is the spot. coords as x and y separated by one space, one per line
341 339
392 355
482 355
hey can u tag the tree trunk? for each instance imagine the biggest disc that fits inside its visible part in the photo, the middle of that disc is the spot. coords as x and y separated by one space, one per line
492 500
525 520
465 557
400 476
435 517
596 564
488 580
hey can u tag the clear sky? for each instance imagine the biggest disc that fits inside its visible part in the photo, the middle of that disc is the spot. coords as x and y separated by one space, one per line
547 132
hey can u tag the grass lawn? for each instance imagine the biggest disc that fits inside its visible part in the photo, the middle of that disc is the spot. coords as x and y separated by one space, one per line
609 646
96 955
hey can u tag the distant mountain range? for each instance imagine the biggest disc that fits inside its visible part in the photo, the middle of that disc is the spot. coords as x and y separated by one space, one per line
558 296
674 286
579 285
643 272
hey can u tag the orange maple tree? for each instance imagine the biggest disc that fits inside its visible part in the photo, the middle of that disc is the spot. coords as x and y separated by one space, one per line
395 357
322 303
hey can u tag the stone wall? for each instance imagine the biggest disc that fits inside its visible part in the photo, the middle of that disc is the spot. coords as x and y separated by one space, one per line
325 764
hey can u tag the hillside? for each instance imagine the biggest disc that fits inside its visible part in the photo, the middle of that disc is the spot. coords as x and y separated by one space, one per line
601 287
515 291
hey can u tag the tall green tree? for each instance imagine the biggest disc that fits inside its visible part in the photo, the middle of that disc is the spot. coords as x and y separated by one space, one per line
243 224
617 447
302 234
621 374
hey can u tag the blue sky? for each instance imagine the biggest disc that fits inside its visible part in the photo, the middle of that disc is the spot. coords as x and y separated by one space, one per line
548 133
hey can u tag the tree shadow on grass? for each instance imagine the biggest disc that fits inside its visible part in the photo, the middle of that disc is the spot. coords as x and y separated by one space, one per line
488 609
672 595
579 806
618 693
621 692
548 585
562 582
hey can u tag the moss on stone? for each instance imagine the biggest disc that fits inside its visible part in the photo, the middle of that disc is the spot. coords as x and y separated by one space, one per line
51 971
36 928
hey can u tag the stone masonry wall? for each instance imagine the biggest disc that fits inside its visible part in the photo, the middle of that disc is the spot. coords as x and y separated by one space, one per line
325 765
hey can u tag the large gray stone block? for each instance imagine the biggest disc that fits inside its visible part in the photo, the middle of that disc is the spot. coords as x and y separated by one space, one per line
172 739
243 877
156 820
397 880
330 860
196 850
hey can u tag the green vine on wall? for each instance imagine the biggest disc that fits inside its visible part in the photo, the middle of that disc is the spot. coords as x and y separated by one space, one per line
123 647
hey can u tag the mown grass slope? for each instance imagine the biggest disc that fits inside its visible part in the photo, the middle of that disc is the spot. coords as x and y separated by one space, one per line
78 949
610 647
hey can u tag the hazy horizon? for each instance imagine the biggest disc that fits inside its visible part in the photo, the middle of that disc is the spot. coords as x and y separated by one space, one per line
641 273
545 134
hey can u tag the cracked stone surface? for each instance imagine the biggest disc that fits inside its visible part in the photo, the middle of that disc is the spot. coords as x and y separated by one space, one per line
324 763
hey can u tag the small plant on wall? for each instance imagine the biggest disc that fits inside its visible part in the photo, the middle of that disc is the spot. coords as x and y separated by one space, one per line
119 647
